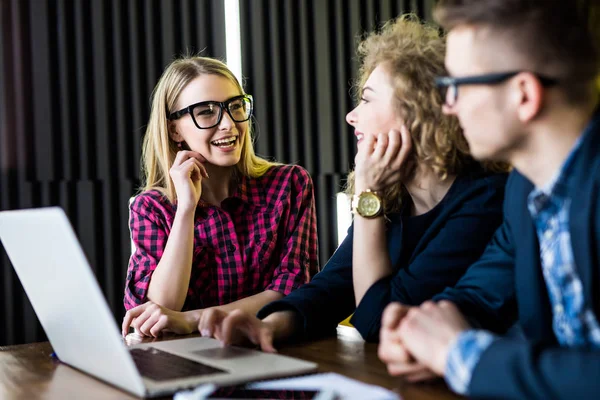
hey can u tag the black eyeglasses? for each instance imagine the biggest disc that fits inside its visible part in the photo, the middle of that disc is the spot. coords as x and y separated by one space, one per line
449 85
208 114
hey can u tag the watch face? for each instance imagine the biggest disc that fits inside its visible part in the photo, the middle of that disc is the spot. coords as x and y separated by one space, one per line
368 204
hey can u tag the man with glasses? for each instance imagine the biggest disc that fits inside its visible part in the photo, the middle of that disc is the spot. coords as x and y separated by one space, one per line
522 82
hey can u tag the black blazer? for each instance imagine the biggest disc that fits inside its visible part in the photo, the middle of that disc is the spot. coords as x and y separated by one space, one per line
466 219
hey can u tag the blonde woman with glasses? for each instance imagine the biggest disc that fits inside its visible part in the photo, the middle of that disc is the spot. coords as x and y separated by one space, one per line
215 227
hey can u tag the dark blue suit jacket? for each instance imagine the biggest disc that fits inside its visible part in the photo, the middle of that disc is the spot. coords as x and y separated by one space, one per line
509 277
468 217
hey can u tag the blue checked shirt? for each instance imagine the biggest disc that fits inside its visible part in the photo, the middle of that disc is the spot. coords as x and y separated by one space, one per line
573 322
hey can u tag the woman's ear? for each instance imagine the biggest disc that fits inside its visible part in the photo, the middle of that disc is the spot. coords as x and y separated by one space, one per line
172 127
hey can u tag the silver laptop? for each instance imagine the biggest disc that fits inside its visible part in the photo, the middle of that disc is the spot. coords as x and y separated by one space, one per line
66 297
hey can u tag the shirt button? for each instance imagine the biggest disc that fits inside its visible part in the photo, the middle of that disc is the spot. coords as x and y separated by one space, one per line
558 309
230 246
548 234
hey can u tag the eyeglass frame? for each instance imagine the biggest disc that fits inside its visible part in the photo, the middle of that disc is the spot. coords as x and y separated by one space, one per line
223 105
447 82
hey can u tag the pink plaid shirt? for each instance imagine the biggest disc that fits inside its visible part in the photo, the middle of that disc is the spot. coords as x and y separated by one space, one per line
264 237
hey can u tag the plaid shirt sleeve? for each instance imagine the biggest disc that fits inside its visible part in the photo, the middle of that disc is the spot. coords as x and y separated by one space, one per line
464 356
149 236
299 256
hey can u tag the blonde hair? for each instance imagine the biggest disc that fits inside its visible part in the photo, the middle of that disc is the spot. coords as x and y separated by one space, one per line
413 54
159 150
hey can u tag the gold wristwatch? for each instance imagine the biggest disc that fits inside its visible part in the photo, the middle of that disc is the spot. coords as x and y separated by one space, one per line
367 204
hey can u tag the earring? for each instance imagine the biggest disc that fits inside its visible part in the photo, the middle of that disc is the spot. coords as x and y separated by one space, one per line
179 145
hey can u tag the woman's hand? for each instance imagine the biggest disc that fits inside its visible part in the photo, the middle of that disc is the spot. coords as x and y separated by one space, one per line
150 319
187 172
380 159
236 327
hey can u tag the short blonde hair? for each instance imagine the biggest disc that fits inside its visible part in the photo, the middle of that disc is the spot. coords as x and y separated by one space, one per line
159 150
413 54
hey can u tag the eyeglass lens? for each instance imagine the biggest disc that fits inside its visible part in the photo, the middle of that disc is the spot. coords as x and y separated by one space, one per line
209 114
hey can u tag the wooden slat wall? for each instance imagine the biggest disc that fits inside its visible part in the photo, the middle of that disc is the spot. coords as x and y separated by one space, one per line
299 60
75 84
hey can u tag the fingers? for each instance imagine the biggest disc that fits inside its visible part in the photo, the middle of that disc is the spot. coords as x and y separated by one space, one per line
392 351
249 326
406 369
130 316
185 161
398 148
160 325
184 155
380 158
433 310
180 157
238 320
381 146
191 165
148 319
368 144
202 168
126 322
393 314
430 310
415 340
421 376
405 146
446 305
139 321
148 324
210 322
447 313
266 340
394 144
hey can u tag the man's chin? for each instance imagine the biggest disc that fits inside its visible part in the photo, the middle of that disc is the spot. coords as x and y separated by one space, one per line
487 154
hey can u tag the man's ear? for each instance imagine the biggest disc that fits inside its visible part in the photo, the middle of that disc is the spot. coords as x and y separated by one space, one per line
530 96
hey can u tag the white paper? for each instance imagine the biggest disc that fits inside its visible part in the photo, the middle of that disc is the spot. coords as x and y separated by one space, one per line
200 393
345 388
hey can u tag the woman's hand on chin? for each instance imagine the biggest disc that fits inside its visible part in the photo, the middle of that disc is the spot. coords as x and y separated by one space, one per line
380 159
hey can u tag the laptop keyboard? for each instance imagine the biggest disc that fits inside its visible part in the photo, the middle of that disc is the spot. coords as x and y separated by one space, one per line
159 365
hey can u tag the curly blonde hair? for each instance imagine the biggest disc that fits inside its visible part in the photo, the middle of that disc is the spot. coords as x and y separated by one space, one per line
159 150
413 53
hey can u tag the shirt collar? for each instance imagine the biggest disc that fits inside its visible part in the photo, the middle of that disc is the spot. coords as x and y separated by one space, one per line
241 192
250 191
242 189
557 188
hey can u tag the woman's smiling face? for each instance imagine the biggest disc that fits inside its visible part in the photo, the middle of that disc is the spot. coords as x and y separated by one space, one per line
376 113
220 145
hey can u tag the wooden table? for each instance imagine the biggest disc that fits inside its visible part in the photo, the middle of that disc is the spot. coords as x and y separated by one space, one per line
28 372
